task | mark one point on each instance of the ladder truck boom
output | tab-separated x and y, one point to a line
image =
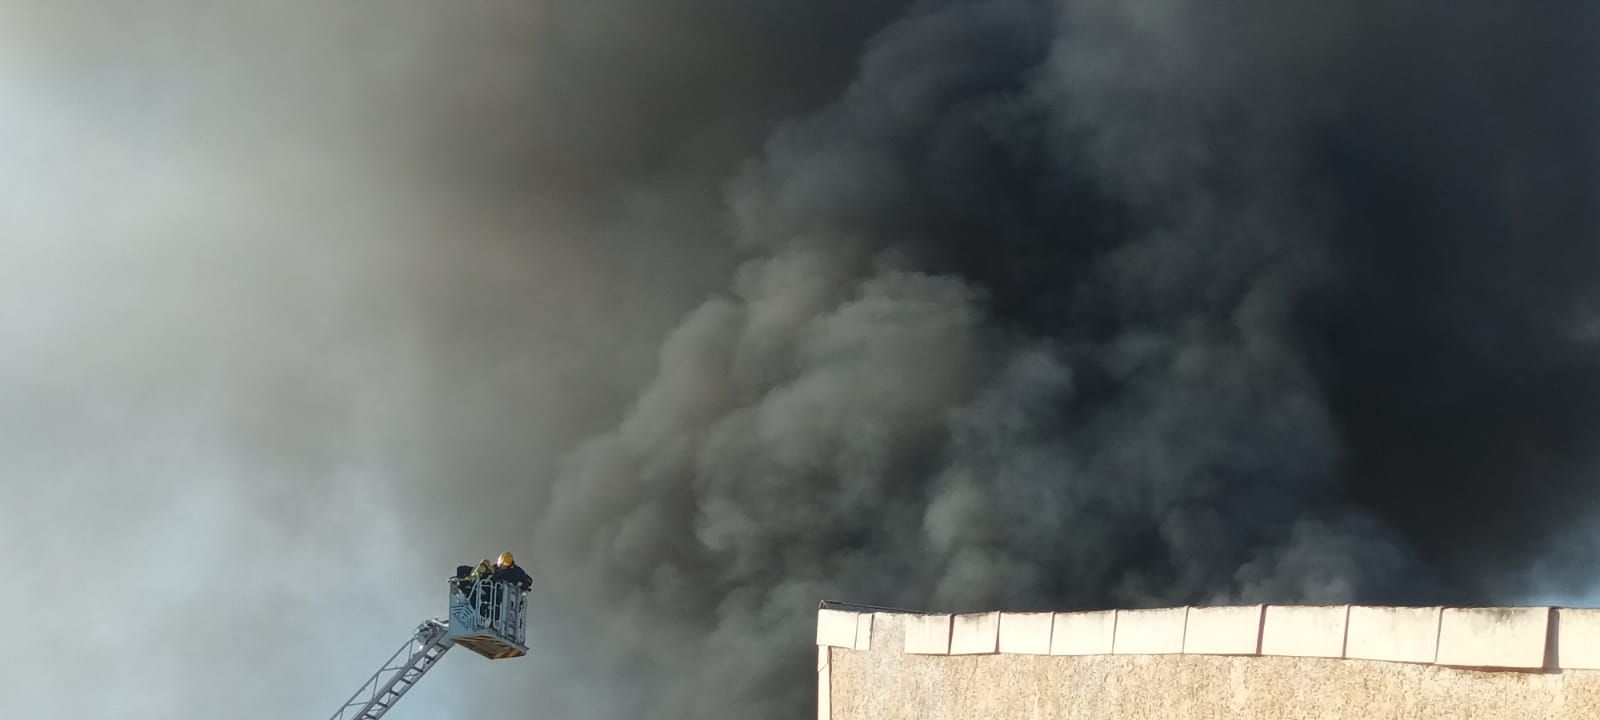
399	674
486	617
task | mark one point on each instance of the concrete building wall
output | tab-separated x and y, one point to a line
1220	670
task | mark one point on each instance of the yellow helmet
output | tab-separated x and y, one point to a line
505	560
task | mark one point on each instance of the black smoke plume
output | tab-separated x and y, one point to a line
712	310
1087	304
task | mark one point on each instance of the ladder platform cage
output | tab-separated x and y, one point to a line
488	618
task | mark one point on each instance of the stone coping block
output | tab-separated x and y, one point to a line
1304	630
836	628
1149	632
1083	633
1231	630
928	634
864	632
1494	637
1396	634
975	634
1026	633
1577	638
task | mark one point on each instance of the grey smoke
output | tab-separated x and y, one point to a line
295	300
714	310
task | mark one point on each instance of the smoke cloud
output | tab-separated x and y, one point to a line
714	310
1087	304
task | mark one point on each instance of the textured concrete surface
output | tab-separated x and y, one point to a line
926	634
1578	639
1304	630
1083	633
836	628
1026	633
1494	637
1397	634
1149	632
885	684
1234	630
975	634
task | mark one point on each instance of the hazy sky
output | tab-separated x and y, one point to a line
711	310
301	304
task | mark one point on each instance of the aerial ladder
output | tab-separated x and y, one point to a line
486	617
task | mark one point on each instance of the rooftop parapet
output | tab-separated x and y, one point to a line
1485	638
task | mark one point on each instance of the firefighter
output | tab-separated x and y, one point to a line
483	572
506	570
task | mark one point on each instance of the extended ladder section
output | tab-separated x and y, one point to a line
399	674
486	617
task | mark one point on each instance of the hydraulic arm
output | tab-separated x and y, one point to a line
399	674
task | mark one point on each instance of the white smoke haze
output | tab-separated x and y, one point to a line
710	311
